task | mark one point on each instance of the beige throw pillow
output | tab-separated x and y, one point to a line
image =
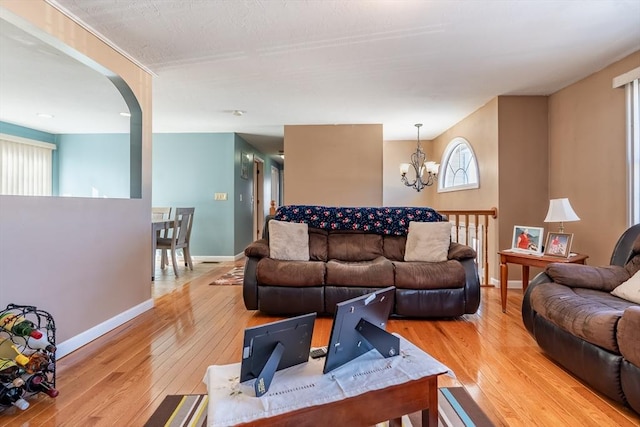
629	290
288	241
428	241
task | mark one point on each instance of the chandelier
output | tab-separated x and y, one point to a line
420	166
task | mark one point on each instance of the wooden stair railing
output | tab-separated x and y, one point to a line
471	219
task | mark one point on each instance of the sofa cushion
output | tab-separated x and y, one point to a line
354	246
393	247
257	249
461	252
428	241
586	313
317	244
288	241
628	335
377	273
629	289
586	276
274	272
429	275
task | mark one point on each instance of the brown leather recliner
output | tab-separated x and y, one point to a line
595	335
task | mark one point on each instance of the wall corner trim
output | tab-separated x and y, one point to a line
89	335
627	77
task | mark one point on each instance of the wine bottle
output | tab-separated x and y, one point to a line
29	344
10	373
13	396
8	350
18	325
38	383
38	362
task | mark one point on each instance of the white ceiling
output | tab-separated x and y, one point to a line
288	62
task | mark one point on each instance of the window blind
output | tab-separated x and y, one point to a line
25	167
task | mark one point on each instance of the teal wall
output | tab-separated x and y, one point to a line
243	227
82	162
94	161
188	169
29	133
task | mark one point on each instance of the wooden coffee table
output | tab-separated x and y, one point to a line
526	261
387	404
366	391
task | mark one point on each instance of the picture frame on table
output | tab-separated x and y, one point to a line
527	239
558	244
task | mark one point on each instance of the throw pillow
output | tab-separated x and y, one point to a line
288	241
630	289
428	241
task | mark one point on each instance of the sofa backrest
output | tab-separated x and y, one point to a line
633	264
627	246
354	246
391	221
357	233
393	247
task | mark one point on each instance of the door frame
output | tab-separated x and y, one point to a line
258	197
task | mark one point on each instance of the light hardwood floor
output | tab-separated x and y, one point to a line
121	378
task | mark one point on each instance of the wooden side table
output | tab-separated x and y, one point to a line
526	261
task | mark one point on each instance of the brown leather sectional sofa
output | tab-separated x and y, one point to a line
572	315
344	264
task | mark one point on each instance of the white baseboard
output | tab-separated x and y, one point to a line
228	258
511	284
89	335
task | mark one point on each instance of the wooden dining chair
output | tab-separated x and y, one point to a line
161	214
179	239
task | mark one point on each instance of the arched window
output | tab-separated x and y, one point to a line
459	169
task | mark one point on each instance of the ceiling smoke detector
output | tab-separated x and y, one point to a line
238	112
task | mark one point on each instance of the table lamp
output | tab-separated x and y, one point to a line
560	210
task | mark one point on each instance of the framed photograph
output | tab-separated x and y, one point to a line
245	161
558	244
527	239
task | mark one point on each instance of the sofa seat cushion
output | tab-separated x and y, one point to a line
377	273
589	314
290	273
629	335
429	275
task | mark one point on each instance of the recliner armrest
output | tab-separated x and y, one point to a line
586	276
258	249
460	252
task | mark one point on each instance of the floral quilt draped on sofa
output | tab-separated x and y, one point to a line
378	220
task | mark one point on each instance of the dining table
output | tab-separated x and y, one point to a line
156	227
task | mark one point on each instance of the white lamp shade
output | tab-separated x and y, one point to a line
560	210
404	168
432	167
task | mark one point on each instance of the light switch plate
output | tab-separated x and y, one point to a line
220	196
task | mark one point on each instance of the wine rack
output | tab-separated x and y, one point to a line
46	357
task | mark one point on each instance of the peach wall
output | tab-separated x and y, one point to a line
86	261
481	130
587	158
394	192
333	165
523	160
